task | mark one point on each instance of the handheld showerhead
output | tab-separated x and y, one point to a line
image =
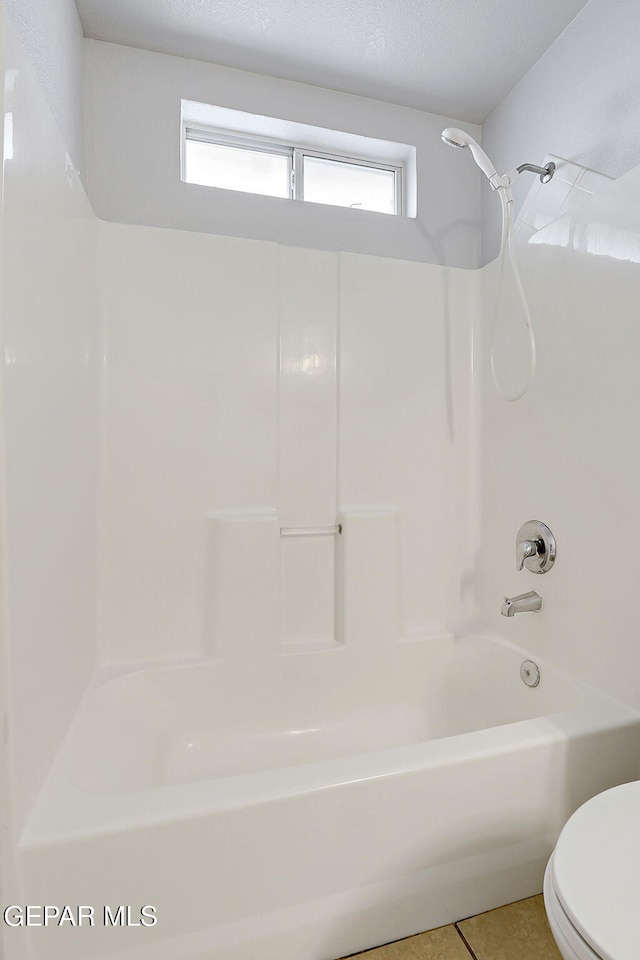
455	137
458	138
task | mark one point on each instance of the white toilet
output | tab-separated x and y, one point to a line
592	882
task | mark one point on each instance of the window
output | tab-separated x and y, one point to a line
235	160
216	159
344	183
237	166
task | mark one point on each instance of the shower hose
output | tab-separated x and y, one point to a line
506	246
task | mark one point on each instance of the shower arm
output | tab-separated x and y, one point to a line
545	173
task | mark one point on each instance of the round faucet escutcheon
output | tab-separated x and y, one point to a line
535	547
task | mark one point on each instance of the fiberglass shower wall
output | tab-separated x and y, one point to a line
50	384
251	387
567	453
49	426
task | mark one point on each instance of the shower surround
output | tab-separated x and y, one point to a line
293	747
251	388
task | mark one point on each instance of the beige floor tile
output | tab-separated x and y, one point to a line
517	930
442	944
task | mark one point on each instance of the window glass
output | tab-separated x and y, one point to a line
236	168
344	184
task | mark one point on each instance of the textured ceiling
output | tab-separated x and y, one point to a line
454	57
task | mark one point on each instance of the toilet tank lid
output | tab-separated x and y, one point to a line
596	871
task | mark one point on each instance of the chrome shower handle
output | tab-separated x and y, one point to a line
535	547
526	549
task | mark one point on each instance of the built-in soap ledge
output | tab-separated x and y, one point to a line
322	531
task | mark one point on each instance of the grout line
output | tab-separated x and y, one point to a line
465	941
389	943
472	953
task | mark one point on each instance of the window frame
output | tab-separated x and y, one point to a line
296	152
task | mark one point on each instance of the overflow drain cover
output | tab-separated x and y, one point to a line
530	673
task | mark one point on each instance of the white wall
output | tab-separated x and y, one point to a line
568	453
579	101
51	35
49	403
251	386
132	119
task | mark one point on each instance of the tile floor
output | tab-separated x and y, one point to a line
519	930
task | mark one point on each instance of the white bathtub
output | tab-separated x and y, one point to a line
308	806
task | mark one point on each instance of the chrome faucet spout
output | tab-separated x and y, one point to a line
524	603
